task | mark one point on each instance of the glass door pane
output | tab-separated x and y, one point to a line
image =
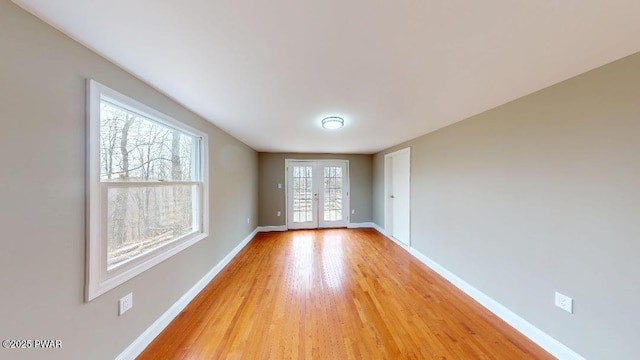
302	194
332	193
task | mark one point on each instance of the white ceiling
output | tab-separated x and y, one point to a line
267	72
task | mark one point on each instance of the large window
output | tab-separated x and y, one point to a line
147	188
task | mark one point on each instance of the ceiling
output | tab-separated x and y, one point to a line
267	72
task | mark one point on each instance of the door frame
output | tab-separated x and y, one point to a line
347	189
387	193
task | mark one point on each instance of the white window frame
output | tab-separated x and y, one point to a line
98	279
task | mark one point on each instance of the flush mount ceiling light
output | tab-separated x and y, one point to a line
332	122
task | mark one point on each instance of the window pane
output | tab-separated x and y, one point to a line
135	148
141	219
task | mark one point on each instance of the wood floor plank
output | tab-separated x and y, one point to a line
334	294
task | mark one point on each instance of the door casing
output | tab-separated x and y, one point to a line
391	220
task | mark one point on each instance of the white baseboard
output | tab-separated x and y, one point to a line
383	232
380	229
544	340
406	247
350	226
138	345
272	228
361	225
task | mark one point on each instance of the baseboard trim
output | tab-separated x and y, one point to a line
544	340
138	345
383	232
380	230
272	228
361	225
553	346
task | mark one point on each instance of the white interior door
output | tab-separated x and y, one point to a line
397	195
317	193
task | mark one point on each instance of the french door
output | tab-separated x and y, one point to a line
317	193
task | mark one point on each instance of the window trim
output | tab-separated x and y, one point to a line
98	279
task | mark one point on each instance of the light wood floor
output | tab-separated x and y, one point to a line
334	294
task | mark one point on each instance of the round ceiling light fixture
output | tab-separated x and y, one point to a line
332	122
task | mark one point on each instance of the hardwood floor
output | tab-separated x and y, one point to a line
334	294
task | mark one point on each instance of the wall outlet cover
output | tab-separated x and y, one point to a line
126	303
564	302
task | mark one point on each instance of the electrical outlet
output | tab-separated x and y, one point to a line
279	186
353	211
279	213
564	302
248	220
126	303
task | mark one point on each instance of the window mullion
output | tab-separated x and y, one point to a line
148	183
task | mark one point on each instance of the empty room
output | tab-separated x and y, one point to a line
204	179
